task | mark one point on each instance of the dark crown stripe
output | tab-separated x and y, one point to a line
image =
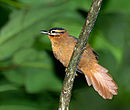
60	32
56	28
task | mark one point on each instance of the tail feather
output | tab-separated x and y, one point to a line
102	82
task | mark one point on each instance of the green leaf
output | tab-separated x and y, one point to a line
127	32
25	55
89	98
113	27
100	42
20	32
35	2
124	78
81	4
14	76
17	107
112	33
34	73
71	18
4	16
117	6
39	60
37	80
14	99
7	87
27	59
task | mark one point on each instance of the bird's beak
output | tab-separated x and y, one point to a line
44	32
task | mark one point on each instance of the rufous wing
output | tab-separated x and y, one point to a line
102	82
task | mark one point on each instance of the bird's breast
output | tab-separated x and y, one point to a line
63	52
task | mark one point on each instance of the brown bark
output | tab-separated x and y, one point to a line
78	50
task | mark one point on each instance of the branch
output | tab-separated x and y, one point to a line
78	50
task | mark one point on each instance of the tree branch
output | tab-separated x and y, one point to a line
78	50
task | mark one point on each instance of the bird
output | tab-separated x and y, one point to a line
96	75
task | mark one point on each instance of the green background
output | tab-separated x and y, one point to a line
31	78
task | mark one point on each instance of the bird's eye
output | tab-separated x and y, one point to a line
52	31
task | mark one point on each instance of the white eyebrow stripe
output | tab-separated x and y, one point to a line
58	31
55	34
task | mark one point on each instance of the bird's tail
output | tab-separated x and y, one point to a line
102	82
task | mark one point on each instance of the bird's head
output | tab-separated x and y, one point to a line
55	32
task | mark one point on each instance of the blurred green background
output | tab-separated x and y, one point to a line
31	78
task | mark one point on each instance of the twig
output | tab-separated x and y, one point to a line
78	50
13	3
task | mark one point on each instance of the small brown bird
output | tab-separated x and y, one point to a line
63	45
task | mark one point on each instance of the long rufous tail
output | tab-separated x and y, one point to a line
102	82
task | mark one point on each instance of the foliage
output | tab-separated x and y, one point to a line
28	71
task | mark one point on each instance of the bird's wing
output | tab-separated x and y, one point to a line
96	55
